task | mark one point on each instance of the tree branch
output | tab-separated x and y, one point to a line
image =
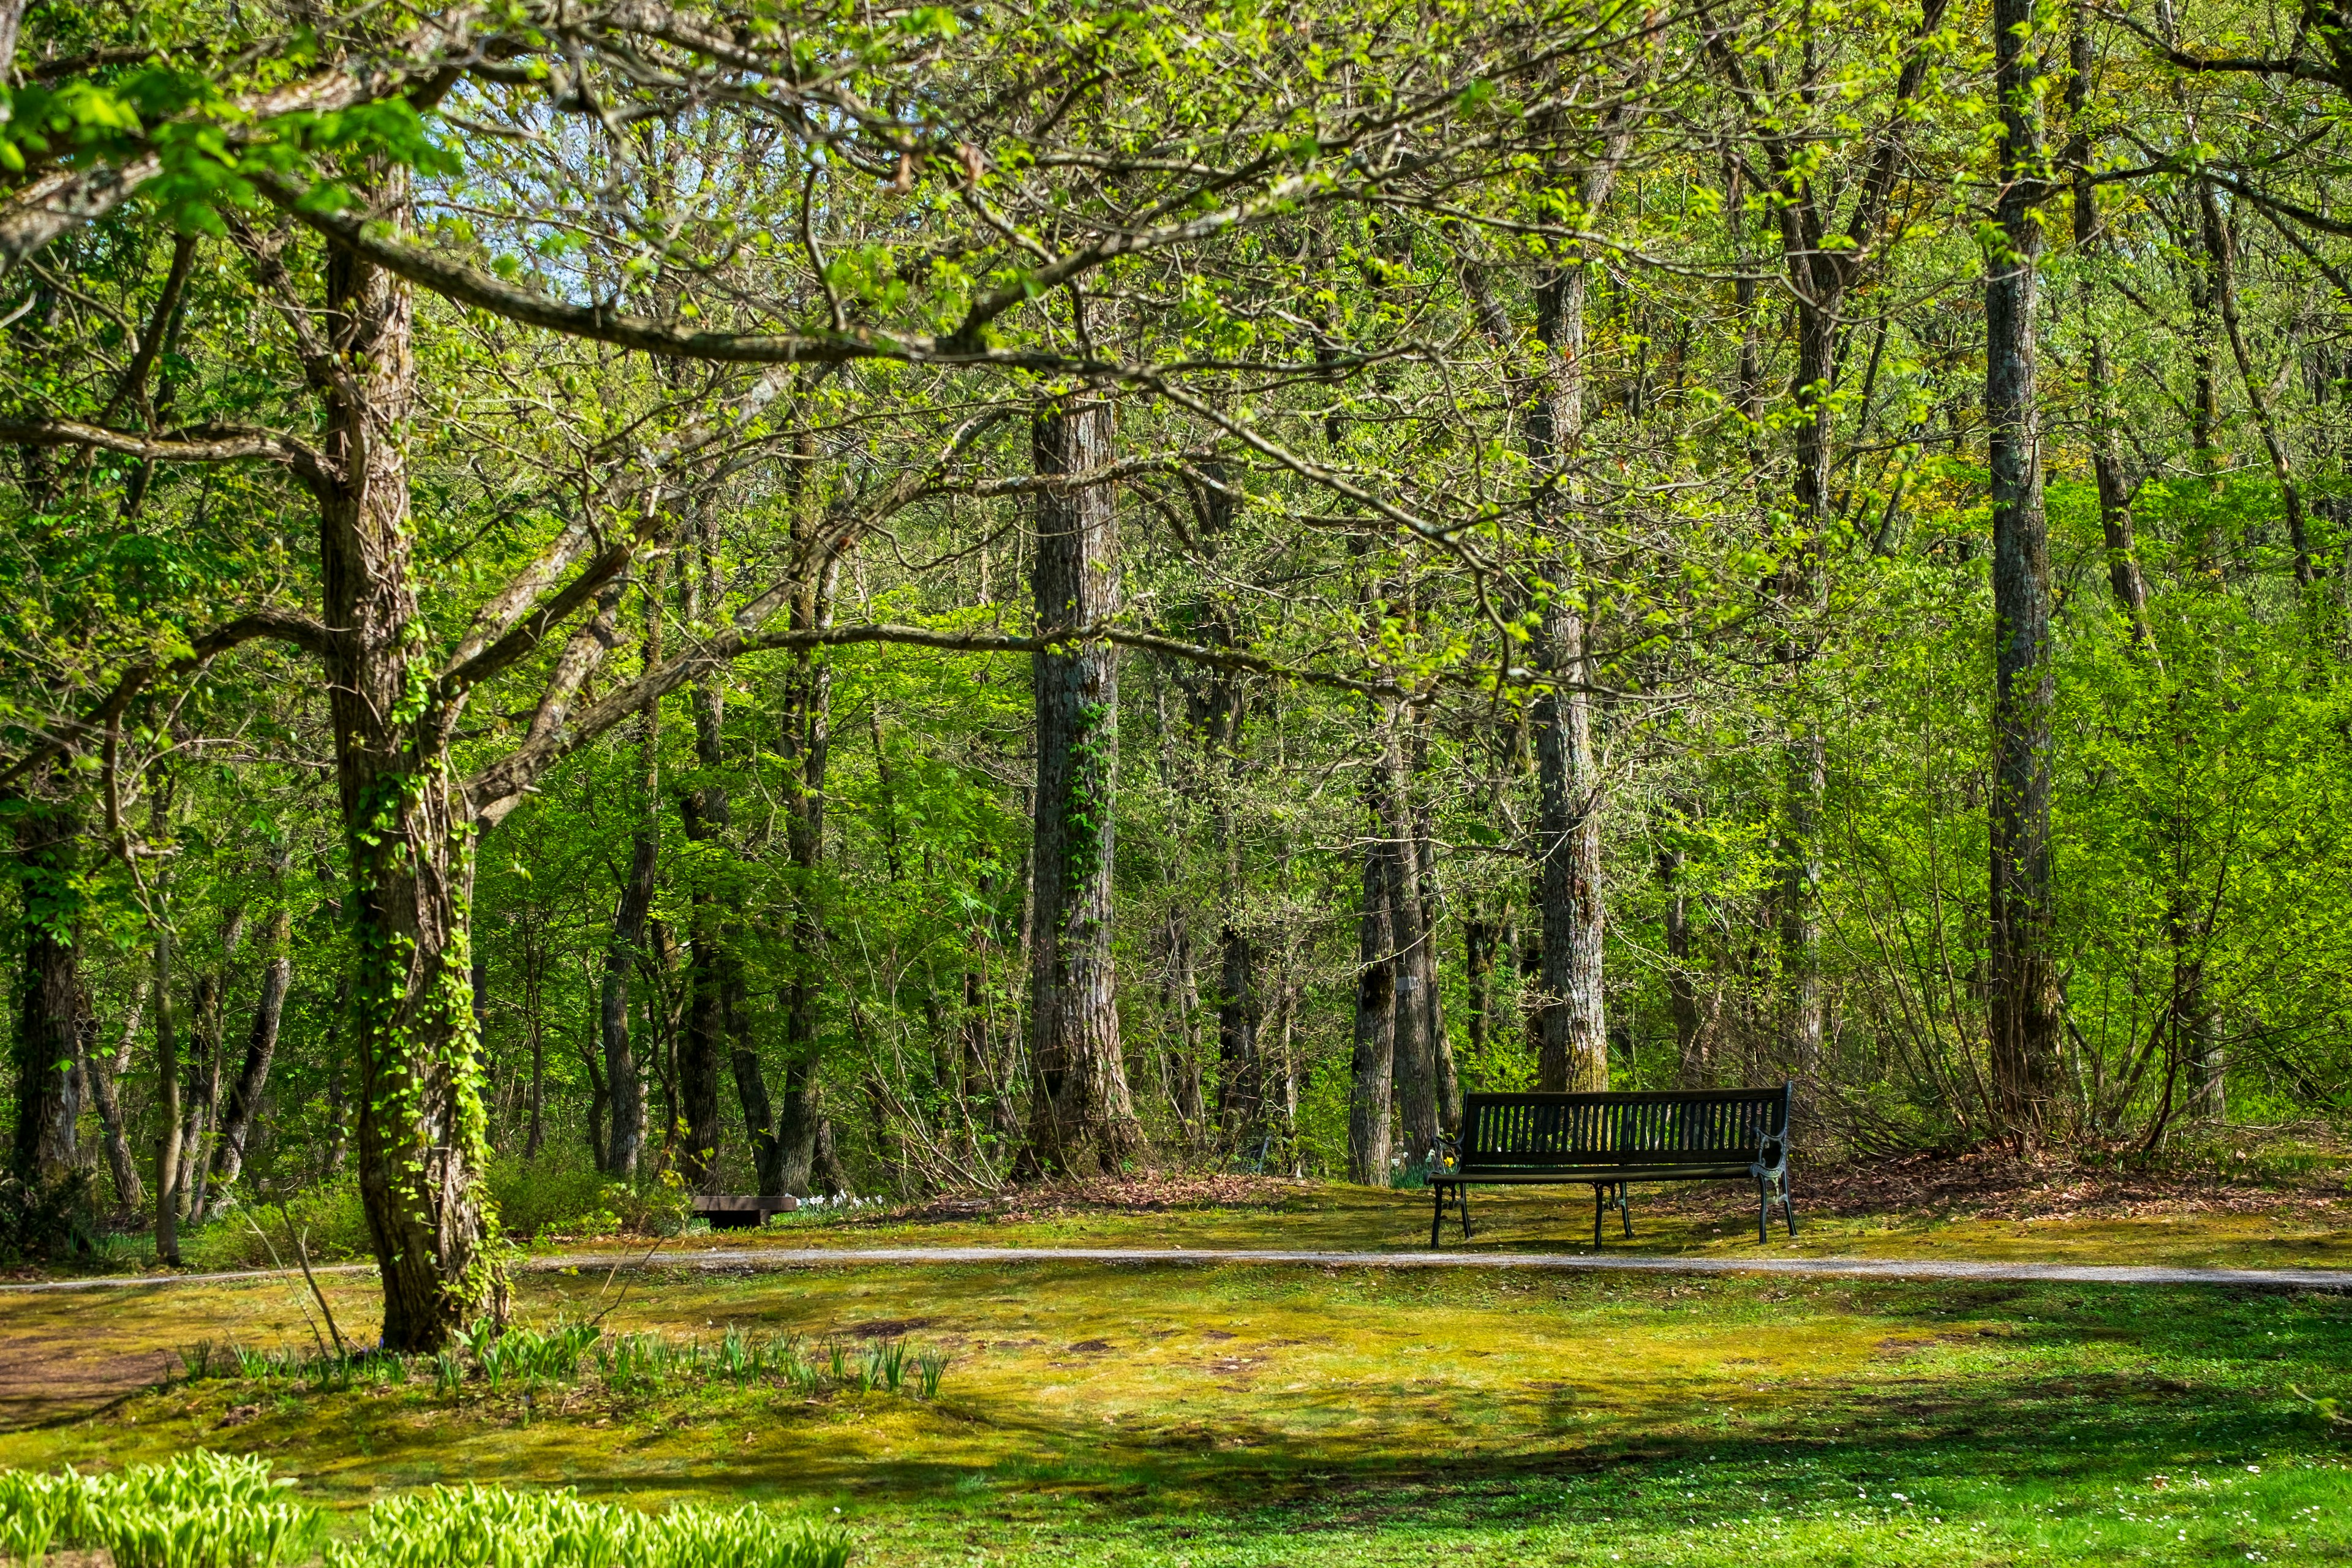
206	443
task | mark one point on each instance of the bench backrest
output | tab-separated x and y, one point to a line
1666	1127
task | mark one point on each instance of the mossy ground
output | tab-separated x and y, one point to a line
1232	1415
2296	1230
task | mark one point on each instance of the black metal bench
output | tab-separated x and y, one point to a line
725	1213
1612	1140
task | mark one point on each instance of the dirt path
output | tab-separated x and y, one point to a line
851	1257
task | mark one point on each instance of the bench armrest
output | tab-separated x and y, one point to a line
1772	1151
1448	1152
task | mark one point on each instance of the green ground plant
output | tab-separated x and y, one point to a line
198	1509
1207	1417
522	1359
478	1527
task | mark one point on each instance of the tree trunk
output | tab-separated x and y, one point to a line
1572	1037
1414	1082
1573	1054
423	1137
1182	1001
253	1074
707	812
101	1076
1481	940
1372	1069
2125	577
203	1096
2025	1019
1692	1069
1081	1116
1447	1080
167	1108
625	1084
2218	246
52	1010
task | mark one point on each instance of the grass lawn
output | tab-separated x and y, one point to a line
1199	1416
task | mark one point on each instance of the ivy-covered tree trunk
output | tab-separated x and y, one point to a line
2025	1019
1081	1116
409	832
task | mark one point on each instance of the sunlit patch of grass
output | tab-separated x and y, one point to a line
1343	1416
1709	1221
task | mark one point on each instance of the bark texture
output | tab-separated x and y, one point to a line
1082	1119
252	1072
2024	1000
407	828
1373	1066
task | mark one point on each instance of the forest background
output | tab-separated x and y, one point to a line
603	600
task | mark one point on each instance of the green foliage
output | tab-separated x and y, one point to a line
328	1218
200	1509
477	1526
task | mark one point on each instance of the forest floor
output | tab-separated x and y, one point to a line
1247	1416
2255	1206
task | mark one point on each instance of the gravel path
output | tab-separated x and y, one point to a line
1604	1262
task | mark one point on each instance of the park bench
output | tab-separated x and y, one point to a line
739	1212
1611	1140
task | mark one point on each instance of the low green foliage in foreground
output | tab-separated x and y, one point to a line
203	1509
1244	1417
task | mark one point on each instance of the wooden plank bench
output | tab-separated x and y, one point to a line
739	1212
1611	1140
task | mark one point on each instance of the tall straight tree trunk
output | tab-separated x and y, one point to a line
707	812
1481	940
102	1076
1218	709
1180	1001
1692	1069
2219	248
167	1105
52	1009
1569	1024
2125	578
253	1073
1373	1071
625	1083
1448	1079
796	1151
2024	1013
1413	1079
202	1098
1082	1118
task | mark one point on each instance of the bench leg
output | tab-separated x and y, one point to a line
1625	1205
1462	1195
1599	1189
1436	1212
1763	1211
1789	1207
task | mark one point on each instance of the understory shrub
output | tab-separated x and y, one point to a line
41	1221
555	1196
329	1219
203	1509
